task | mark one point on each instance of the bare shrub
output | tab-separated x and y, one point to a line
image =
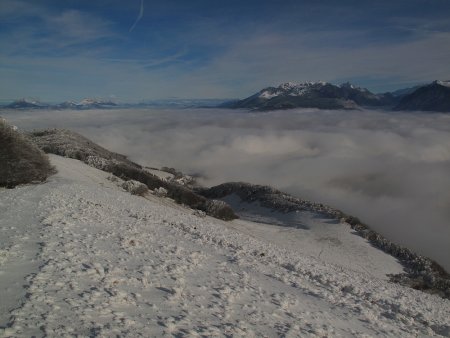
135	187
220	210
20	160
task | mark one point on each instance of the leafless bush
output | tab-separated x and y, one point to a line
20	160
135	187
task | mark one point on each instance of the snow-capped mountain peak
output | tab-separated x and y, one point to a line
93	102
288	85
348	85
89	101
31	101
292	86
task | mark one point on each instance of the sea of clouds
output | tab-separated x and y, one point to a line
391	169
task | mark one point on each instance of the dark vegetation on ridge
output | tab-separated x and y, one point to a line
21	161
70	144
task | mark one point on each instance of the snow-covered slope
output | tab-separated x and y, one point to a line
313	234
106	263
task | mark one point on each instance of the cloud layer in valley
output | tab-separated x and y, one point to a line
389	169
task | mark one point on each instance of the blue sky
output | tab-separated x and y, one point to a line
57	50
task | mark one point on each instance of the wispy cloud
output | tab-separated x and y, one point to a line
77	26
149	63
30	29
139	17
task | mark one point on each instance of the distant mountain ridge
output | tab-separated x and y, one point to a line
431	97
92	103
88	103
324	95
26	103
321	95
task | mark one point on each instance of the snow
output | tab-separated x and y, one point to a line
87	101
289	85
294	85
290	88
312	234
266	95
164	175
99	261
444	83
92	101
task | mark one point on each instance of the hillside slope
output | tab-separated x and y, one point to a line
113	264
71	144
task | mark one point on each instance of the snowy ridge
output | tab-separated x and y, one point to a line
291	89
94	102
88	103
114	264
26	103
348	85
321	95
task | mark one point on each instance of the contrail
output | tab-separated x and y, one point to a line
141	13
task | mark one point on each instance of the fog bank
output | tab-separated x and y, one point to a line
392	170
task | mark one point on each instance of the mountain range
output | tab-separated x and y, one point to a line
92	103
324	95
321	95
88	103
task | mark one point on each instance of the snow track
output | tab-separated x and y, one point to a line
114	264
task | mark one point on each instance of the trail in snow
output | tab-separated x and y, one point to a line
19	243
116	264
